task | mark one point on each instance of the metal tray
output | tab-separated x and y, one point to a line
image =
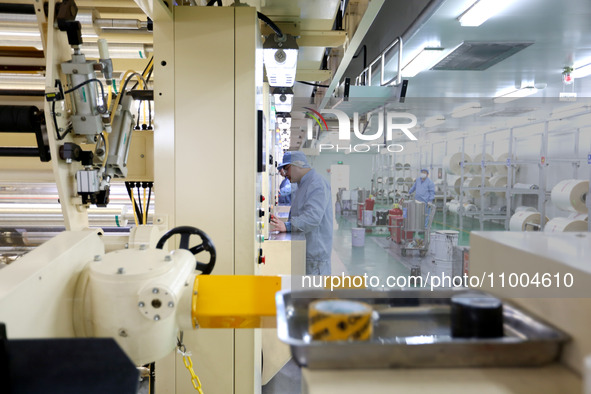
411	328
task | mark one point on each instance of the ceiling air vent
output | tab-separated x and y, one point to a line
478	56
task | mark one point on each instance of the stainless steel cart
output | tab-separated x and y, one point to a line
415	222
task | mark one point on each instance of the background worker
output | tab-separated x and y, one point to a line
424	190
311	212
286	190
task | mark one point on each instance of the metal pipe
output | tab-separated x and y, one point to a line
22	92
19	152
18	18
122	24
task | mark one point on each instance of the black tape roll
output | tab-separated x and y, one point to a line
19	119
476	316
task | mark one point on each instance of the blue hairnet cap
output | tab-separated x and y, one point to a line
295	158
425	170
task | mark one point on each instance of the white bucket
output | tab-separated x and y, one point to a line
442	269
443	243
367	218
358	237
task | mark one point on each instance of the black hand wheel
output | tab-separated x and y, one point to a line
206	245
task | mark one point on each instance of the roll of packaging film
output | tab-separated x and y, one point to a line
570	195
524	221
399	166
527	186
340	320
579	216
452	163
560	225
476	182
487	159
454	181
502	168
499	181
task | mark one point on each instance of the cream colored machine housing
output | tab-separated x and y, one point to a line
208	62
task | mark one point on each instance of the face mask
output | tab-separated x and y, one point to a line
423	176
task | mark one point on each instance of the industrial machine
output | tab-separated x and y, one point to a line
88	281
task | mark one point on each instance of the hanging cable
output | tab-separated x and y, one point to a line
145	221
149	115
149	67
134	213
141	213
129	186
137	124
150	184
270	23
313	84
99	109
126	77
212	2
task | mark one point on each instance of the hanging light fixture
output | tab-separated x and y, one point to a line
283	99
280	56
283	120
514	94
481	10
426	59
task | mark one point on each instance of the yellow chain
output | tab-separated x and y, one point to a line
194	378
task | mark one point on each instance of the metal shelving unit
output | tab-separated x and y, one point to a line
542	193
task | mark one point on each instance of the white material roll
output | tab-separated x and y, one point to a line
528	186
499	181
409	180
502	168
454	207
476	182
400	180
479	159
559	225
399	166
452	163
453	183
407	166
570	195
579	216
470	207
520	221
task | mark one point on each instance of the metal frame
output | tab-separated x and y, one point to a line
509	191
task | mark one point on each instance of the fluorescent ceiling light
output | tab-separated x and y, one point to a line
582	72
481	10
434	121
468	109
514	94
283	99
582	121
569	110
280	56
283	120
426	59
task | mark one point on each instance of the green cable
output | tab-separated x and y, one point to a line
114	85
117	221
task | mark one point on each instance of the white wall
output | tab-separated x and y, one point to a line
360	165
